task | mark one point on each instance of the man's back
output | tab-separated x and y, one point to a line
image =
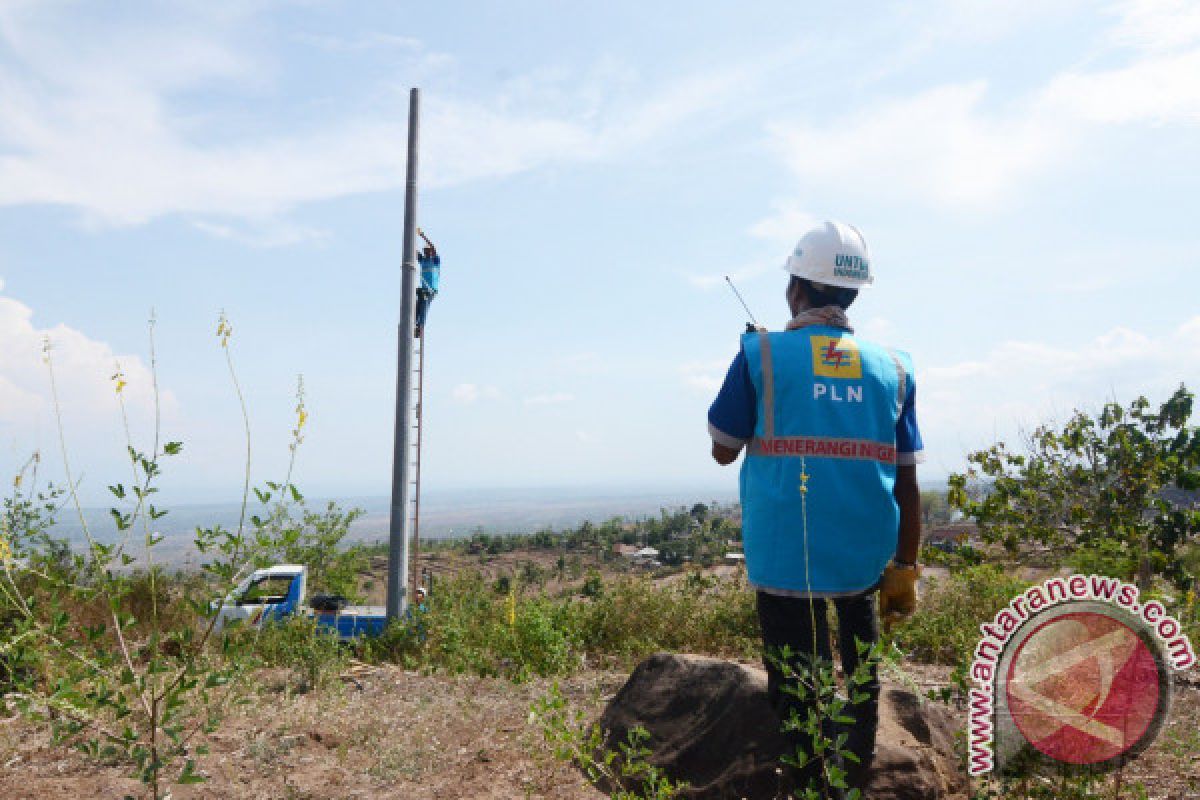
827	406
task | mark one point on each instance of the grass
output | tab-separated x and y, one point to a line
471	628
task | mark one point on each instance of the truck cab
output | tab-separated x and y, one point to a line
280	591
267	594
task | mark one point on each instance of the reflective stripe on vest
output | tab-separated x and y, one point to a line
902	385
768	371
824	447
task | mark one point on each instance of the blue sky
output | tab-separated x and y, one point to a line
1025	174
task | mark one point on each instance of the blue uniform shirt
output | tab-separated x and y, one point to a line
733	415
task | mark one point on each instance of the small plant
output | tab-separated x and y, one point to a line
129	669
625	772
823	728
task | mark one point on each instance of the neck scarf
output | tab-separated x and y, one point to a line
827	315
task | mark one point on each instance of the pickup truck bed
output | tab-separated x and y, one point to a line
353	620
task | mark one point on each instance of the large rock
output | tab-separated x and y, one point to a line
711	725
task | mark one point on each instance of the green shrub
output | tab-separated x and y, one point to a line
469	629
1105	557
945	627
401	642
312	653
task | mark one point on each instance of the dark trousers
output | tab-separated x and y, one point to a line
789	621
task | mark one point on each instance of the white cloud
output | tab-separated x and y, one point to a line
957	145
879	329
1156	90
584	363
366	41
1085	284
939	144
96	122
787	223
738	274
704	376
266	233
1157	25
1020	384
83	369
468	393
549	399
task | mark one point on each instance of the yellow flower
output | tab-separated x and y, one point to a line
118	379
301	411
510	610
224	329
5	551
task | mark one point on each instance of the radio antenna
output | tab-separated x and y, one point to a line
742	301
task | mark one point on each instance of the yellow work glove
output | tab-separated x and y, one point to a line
897	593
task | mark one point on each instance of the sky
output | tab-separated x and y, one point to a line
1025	174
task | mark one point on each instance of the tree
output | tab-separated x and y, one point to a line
1100	483
934	507
313	539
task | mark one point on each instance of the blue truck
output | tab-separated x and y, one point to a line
281	591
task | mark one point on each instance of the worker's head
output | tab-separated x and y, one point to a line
420	594
828	266
803	294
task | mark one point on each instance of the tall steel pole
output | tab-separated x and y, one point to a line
399	532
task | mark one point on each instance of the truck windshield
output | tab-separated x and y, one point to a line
266	590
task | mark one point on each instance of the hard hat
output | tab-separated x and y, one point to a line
833	253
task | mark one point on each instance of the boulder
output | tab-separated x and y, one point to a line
711	725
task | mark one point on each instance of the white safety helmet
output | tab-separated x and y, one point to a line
833	253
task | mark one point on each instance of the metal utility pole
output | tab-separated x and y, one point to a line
400	528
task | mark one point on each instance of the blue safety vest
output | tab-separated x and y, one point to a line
827	407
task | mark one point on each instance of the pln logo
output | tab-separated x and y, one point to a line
836	357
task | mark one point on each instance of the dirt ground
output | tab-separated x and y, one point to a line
445	564
401	735
404	734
